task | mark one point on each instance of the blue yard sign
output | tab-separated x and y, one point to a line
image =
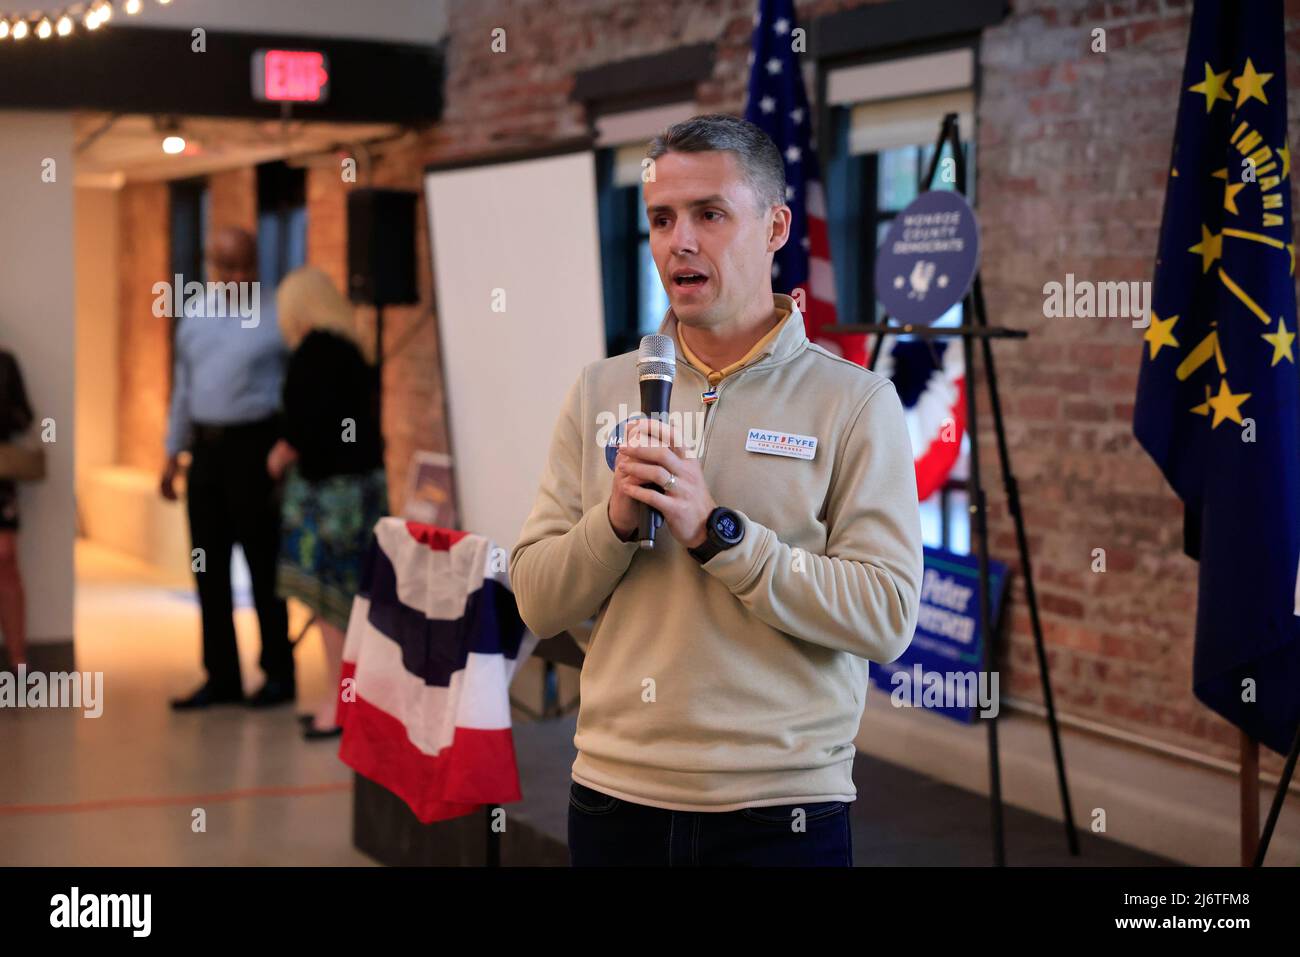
940	671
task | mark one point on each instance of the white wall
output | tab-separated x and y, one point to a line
397	21
37	325
508	372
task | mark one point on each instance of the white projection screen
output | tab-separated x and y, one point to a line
527	231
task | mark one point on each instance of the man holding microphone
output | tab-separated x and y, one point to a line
726	672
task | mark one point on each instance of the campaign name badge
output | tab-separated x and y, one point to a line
781	443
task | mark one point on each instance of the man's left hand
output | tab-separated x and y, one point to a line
281	456
654	452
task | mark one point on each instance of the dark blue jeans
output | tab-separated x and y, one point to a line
606	831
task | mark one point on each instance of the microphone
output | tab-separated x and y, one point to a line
656	364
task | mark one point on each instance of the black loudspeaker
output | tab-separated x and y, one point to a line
381	247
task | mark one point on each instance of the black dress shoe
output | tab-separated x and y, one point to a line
273	693
312	733
205	697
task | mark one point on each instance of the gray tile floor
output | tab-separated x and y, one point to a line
899	818
123	788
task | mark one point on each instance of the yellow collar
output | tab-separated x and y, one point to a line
717	375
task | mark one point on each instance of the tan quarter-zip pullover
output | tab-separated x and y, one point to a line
739	682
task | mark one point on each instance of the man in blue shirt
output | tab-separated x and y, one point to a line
230	361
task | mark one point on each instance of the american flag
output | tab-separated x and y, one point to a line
778	104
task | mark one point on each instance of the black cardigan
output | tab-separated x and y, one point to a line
328	381
15	410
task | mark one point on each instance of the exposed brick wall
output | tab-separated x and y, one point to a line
1074	150
327	233
144	373
232	199
1071	184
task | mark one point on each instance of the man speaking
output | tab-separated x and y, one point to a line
726	671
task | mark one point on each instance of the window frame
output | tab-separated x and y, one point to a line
862	183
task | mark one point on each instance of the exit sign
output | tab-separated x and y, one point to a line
290	76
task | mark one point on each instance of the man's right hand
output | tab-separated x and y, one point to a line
167	485
624	511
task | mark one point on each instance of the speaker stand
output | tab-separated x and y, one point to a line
379	363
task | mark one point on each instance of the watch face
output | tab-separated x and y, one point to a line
727	526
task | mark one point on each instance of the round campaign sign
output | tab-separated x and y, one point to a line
928	258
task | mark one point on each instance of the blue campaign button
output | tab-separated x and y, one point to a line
616	439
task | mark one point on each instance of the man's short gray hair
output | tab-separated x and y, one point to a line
757	154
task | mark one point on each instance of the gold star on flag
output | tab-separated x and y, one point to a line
1250	85
1230	197
1226	405
1210	247
1281	342
1160	333
1212	87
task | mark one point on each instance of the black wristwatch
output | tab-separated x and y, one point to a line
723	529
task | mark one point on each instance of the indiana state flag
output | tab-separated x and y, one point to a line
1218	390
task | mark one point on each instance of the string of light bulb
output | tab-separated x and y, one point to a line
90	15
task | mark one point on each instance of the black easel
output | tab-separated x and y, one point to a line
1275	809
976	327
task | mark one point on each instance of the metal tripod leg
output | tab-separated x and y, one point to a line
979	534
1031	597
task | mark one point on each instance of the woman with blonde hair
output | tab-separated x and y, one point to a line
331	457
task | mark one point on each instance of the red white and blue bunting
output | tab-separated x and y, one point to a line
930	378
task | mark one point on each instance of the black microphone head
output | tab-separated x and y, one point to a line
657	358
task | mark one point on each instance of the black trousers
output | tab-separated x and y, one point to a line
605	831
232	499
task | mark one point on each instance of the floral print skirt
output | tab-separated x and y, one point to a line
326	527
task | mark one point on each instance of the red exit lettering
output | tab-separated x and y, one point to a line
293	75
